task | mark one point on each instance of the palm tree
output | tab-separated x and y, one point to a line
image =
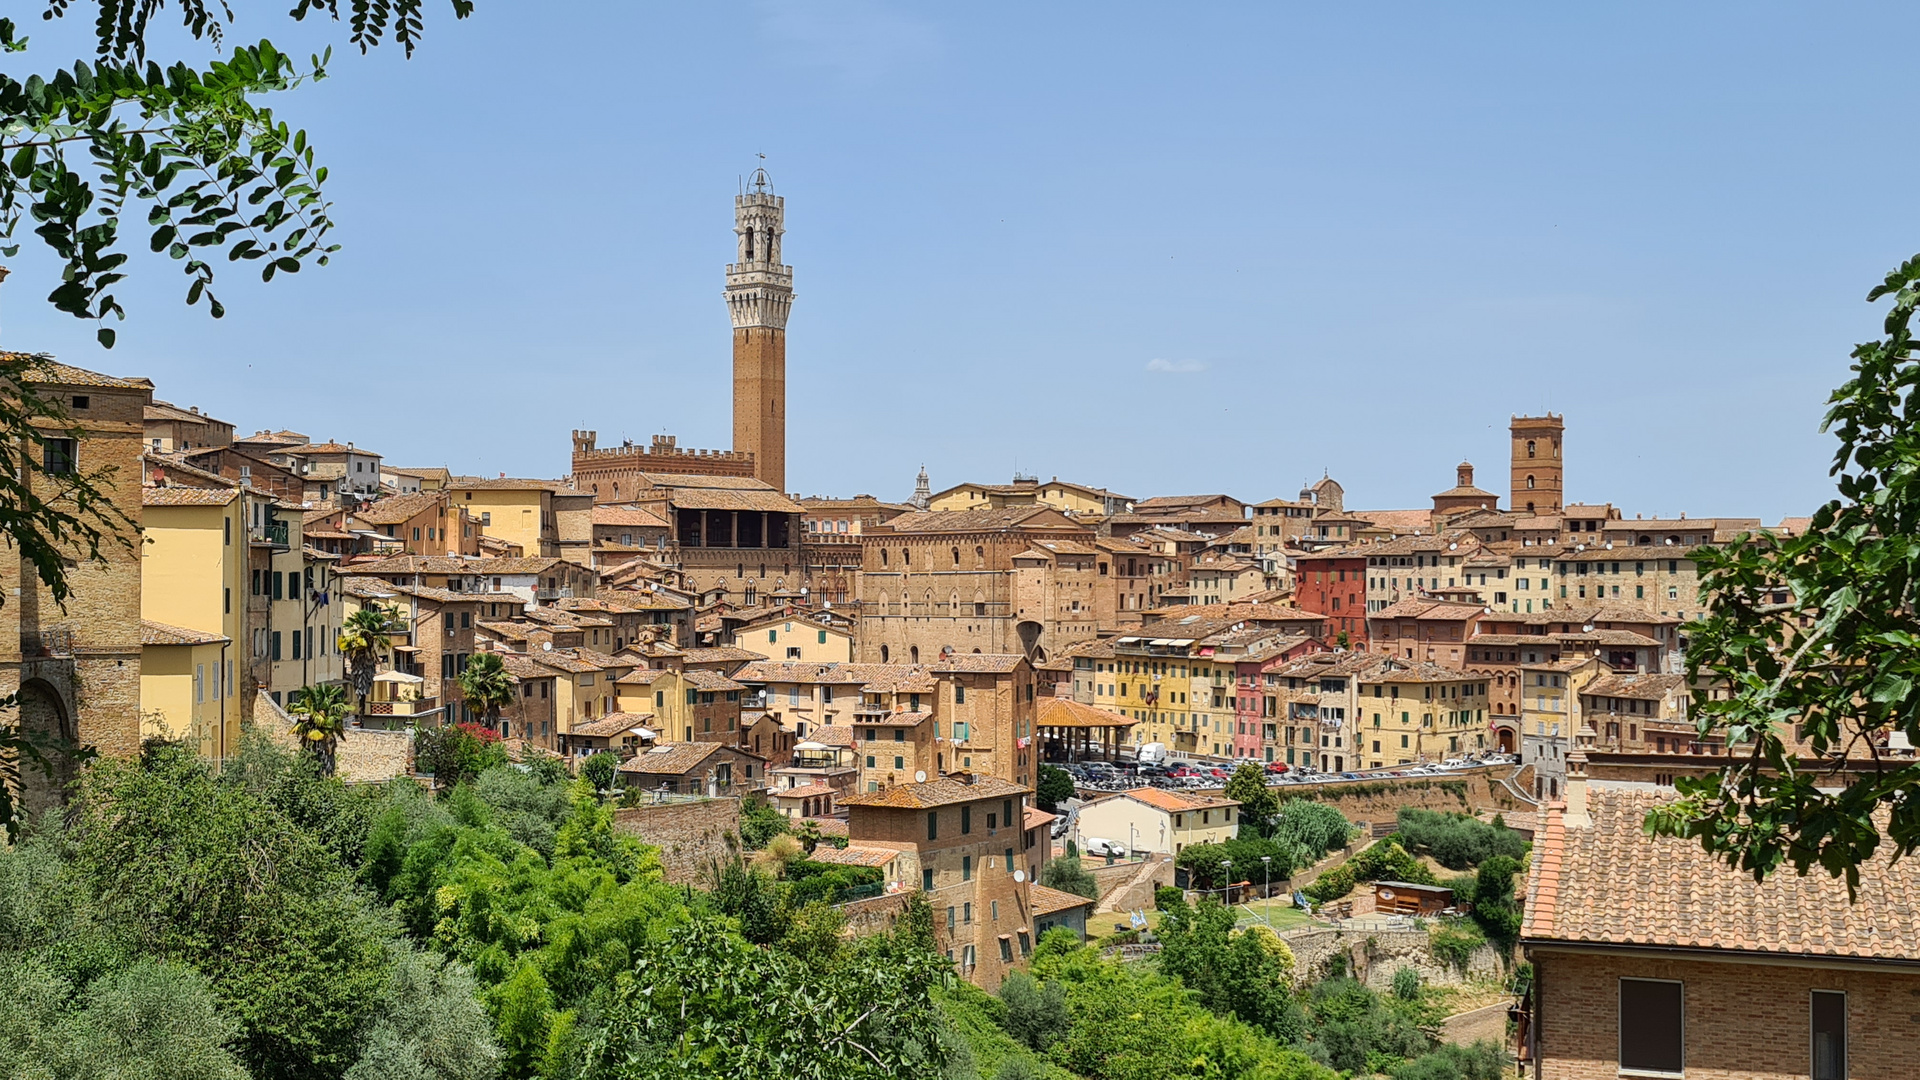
485	685
363	641
320	722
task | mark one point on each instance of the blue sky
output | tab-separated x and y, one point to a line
1159	249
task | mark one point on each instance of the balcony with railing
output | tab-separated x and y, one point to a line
273	534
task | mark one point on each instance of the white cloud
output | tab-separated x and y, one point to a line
860	41
1175	367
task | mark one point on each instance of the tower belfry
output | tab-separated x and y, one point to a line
759	296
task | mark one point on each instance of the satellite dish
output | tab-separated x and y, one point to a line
920	777
546	646
1019	876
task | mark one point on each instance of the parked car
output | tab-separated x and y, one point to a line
1277	767
1101	847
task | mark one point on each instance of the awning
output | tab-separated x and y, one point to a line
397	677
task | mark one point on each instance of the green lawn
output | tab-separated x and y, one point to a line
1283	915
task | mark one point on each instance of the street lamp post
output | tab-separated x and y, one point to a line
1226	869
1266	867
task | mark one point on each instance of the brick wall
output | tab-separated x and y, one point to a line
691	836
1742	1021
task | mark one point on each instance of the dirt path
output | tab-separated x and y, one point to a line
1488	1022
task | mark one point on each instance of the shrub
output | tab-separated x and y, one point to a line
1066	874
1331	885
1315	826
1036	1011
600	769
1452	942
1166	896
1406	984
1457	841
1386	860
1484	1060
760	823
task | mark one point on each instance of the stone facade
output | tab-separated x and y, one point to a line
1538	478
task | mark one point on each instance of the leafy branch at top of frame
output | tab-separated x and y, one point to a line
120	26
216	171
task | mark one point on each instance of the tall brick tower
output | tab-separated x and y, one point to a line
1537	480
759	295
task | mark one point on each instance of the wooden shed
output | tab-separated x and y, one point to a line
1406	898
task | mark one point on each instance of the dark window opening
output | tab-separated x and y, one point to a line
1652	1025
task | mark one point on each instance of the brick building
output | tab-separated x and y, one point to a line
1653	958
977	581
1333	583
77	669
962	841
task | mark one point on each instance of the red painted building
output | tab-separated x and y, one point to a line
1256	719
1334	584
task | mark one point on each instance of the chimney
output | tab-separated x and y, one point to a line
1577	816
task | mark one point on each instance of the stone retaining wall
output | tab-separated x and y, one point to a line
691	836
1374	955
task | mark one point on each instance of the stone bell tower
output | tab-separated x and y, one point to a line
759	295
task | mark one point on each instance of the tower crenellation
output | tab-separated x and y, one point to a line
759	298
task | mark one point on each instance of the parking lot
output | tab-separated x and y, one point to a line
1208	774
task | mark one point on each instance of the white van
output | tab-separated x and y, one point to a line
1152	754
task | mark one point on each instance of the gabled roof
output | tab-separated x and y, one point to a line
612	724
1638	687
946	791
677	758
46	371
982	520
1045	901
1607	883
1174	802
398	509
186	496
1414	607
721	654
627	515
159	633
1059	712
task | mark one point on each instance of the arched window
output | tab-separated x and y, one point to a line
956	556
913	654
1529	447
883	553
1529	483
979	556
906	556
953	604
883	654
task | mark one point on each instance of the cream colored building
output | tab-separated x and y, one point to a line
1158	821
517	511
1077	499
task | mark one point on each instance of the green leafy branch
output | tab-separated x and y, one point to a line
1832	666
216	170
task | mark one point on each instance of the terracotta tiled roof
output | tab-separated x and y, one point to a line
672	758
700	679
1175	802
1036	817
452	564
1045	901
1414	607
399	508
832	735
627	515
791	671
722	654
1609	883
617	723
1066	713
953	521
521	667
828	826
159	633
186	496
977	663
852	854
946	791
1638	687
804	791
48	372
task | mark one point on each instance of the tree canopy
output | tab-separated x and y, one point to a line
1817	637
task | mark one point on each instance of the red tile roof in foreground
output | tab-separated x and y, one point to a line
1608	883
1046	901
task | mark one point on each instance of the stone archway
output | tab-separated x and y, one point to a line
1029	632
1503	738
46	716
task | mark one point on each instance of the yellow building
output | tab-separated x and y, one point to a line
194	577
1408	713
518	512
182	695
1077	499
651	692
796	638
